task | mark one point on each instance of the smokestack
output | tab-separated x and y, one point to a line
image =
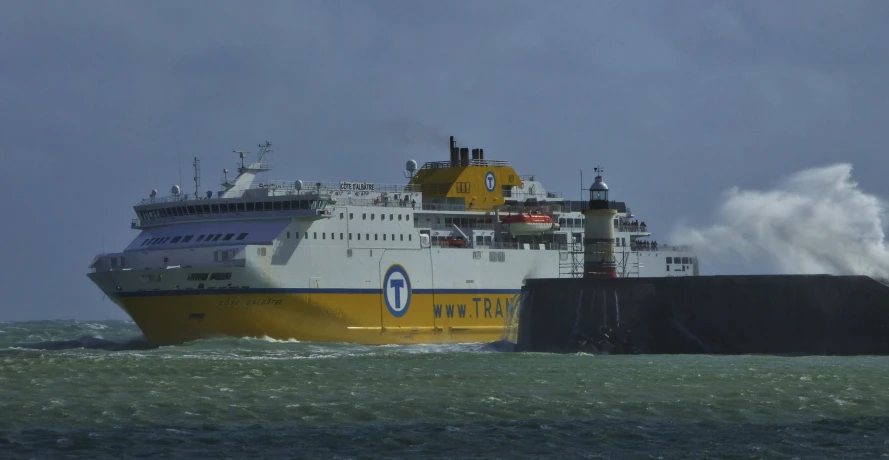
481	154
455	155
464	156
475	154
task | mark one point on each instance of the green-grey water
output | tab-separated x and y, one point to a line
256	397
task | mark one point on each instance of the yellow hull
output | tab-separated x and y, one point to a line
358	317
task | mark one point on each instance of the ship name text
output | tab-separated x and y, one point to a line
236	302
357	186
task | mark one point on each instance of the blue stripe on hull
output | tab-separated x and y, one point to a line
217	291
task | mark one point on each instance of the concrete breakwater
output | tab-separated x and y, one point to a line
759	314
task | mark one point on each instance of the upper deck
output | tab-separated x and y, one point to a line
272	199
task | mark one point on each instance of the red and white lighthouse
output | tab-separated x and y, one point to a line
598	239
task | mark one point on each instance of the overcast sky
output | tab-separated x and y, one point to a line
679	100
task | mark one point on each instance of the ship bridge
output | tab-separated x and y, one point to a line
246	197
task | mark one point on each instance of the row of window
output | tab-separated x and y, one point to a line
214	276
571	223
187	238
680	260
405	217
324	235
197	209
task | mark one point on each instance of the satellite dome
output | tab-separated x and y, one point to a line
411	165
298	185
175	190
153	193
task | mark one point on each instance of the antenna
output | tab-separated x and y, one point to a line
197	177
581	186
242	154
179	160
264	149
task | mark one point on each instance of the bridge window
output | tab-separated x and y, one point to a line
218	235
251	206
350	216
200	238
669	260
198	276
341	215
187	238
221	276
685	260
286	205
228	237
176	239
241	207
277	206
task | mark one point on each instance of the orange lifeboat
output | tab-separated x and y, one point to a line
527	223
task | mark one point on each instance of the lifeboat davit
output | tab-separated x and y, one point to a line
527	223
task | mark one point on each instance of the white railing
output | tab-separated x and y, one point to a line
308	187
471	162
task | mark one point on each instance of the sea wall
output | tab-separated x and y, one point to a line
762	314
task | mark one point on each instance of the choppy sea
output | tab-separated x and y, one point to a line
96	389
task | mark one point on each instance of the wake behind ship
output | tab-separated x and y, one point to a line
441	259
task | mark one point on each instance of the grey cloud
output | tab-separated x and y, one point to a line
103	100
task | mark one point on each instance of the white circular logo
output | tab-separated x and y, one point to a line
490	181
397	290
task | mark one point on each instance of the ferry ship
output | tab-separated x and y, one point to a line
439	259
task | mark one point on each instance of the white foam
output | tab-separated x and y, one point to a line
815	221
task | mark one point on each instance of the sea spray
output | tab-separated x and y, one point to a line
815	221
